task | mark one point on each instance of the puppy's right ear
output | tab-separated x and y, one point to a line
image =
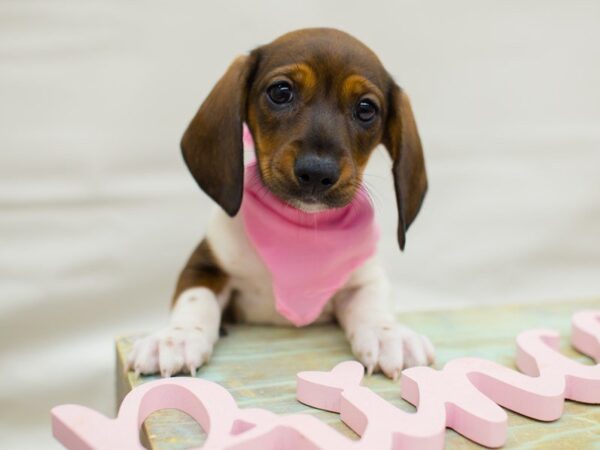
212	145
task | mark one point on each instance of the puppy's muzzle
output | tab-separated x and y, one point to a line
316	174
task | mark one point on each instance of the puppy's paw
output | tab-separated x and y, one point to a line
390	348
171	351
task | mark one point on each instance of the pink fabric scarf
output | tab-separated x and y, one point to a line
310	255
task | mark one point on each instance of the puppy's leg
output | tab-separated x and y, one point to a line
366	314
187	343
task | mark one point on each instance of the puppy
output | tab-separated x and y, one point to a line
317	102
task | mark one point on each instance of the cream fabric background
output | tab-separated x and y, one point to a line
98	214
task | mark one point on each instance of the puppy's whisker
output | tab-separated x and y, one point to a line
377	198
374	175
374	197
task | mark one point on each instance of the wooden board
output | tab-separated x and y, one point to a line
258	366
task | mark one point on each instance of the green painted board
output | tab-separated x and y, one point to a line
258	366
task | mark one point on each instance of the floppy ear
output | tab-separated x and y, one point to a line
402	141
212	144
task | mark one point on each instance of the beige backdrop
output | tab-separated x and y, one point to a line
98	214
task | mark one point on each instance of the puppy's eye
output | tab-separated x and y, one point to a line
365	110
280	92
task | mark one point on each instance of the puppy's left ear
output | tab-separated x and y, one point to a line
401	138
212	145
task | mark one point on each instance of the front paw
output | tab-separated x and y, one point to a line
390	348
170	351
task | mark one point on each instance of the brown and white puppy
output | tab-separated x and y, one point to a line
317	99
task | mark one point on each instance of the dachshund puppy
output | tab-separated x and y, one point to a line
317	102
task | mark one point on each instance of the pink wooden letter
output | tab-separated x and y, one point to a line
466	395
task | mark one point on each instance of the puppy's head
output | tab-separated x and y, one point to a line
317	102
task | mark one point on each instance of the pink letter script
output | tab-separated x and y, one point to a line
467	395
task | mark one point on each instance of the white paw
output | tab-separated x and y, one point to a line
390	348
170	351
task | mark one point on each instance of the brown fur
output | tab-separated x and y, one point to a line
330	72
212	144
404	144
201	270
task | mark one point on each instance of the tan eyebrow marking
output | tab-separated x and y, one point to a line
301	74
356	85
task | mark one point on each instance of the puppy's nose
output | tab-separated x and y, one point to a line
315	173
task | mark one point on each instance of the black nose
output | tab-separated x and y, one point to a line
316	174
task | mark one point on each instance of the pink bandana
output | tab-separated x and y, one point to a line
310	255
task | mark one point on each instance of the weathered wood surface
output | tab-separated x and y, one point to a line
258	366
